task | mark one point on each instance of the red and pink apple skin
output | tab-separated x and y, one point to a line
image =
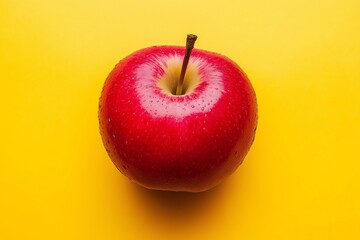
178	143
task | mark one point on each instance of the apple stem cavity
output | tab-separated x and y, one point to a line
190	42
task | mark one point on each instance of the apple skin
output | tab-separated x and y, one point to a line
188	142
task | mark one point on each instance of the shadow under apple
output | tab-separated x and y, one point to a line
179	210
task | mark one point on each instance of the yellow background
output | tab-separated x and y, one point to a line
300	180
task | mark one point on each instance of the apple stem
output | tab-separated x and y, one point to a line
190	42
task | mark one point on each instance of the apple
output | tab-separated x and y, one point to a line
171	121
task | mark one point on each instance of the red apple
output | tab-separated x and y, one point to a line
179	140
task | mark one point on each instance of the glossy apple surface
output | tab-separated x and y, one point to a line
187	142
